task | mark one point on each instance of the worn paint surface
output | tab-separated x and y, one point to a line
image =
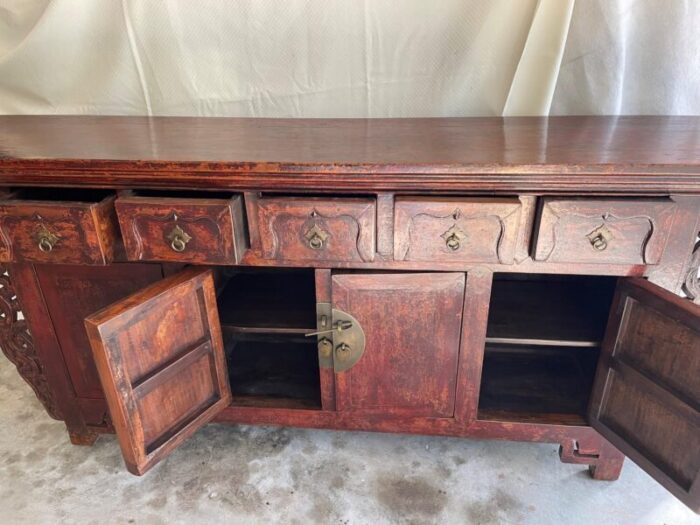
249	475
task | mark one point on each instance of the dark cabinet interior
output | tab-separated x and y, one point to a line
273	370
264	315
543	341
524	382
275	300
567	310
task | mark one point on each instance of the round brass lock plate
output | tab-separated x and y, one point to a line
349	344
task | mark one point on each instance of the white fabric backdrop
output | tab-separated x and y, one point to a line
349	58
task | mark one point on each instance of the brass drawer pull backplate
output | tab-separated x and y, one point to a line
178	239
45	240
316	237
600	238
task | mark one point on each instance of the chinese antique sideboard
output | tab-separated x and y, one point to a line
522	278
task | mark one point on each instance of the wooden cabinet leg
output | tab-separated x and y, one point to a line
33	346
85	438
608	465
17	341
604	461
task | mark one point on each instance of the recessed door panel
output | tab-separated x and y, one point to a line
411	324
161	360
646	396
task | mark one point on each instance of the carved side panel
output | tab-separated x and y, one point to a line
17	344
691	285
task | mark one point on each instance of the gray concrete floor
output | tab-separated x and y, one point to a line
249	475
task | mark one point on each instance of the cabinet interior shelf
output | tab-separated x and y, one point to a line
549	310
274	371
538	384
264	315
543	341
269	301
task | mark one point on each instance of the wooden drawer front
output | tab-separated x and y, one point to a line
317	229
202	231
604	230
58	231
450	229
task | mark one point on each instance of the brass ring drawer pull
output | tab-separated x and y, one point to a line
316	237
179	239
315	242
45	245
46	240
599	243
178	244
453	238
600	238
452	242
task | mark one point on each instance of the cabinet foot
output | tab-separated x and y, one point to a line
86	439
608	465
604	461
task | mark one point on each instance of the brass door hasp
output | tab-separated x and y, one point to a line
341	340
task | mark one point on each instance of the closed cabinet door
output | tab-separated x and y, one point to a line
410	326
646	396
160	357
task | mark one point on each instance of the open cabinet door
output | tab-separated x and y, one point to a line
646	395
160	357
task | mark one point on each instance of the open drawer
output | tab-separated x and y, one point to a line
49	225
188	227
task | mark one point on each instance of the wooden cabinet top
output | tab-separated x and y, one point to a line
628	154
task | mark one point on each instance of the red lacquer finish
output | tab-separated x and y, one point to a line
478	256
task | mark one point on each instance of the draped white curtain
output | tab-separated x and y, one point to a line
349	58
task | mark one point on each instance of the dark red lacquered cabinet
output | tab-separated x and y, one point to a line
528	279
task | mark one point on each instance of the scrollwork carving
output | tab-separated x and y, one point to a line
18	346
138	220
460	223
691	285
